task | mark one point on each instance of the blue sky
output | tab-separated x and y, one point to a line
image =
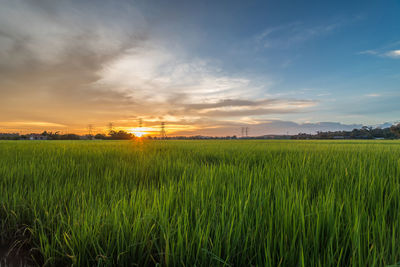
333	52
204	67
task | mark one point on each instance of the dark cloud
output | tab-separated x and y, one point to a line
249	107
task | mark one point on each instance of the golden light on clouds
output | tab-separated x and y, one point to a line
32	123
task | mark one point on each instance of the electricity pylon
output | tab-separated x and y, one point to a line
90	129
163	133
110	127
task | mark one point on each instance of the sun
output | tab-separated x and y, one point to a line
138	134
139	131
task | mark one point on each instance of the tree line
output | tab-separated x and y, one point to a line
48	135
365	132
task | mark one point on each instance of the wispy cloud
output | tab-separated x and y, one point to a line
368	52
32	123
373	95
393	54
284	36
385	51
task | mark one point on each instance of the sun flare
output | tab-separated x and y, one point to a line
138	134
139	131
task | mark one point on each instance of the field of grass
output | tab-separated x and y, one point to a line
203	203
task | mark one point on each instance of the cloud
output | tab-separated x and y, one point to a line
249	103
240	108
383	52
227	103
78	63
156	73
174	84
368	52
30	126
285	36
393	54
49	67
373	95
250	112
32	123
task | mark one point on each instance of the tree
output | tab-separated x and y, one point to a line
121	135
69	137
51	135
100	136
395	129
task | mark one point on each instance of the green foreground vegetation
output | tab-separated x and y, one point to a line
203	203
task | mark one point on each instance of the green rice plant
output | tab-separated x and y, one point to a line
203	203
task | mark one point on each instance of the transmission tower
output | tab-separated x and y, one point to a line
90	129
163	133
110	127
247	132
242	132
140	123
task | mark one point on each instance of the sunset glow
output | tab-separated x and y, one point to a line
277	75
140	131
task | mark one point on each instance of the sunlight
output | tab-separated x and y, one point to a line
139	134
139	131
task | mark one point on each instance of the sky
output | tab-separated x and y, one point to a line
202	67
